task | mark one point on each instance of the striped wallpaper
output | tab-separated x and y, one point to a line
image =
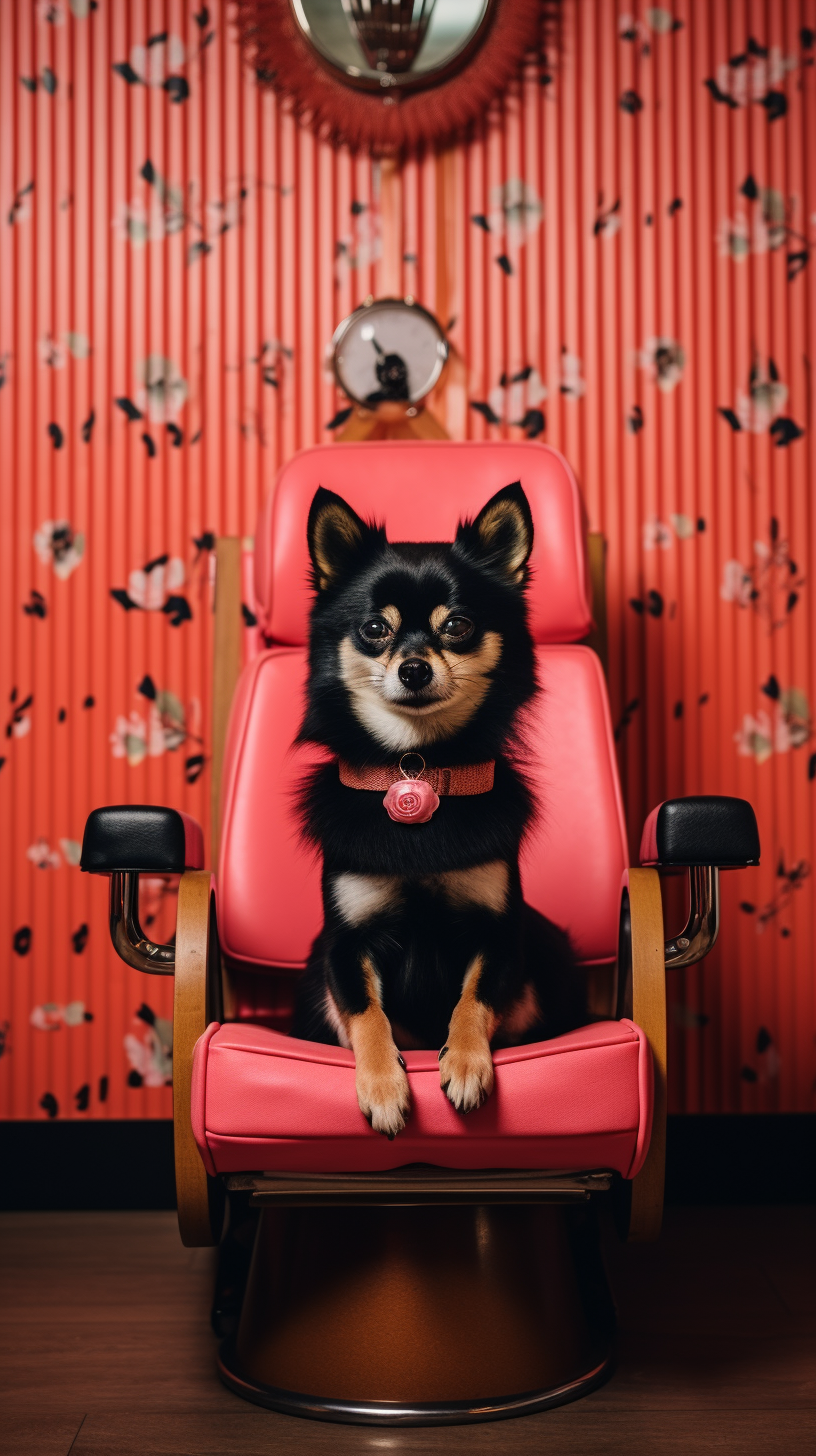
625	257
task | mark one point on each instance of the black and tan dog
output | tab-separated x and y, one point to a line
420	661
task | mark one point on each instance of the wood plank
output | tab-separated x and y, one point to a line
571	1431
727	1269
700	1372
40	1435
107	1315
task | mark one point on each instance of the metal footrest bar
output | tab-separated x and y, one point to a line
420	1184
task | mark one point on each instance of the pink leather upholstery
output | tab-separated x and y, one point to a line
648	839
263	1102
421	490
193	843
269	906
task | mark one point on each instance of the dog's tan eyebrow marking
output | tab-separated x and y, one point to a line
479	662
486	884
360	897
438	617
392	617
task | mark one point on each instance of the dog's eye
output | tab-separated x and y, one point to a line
375	630
457	627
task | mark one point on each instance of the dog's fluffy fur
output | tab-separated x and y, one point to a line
426	938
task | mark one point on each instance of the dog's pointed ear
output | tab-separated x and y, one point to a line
337	538
501	537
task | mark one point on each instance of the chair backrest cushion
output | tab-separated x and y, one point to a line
269	902
420	490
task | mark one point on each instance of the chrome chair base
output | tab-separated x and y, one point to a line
422	1315
386	1413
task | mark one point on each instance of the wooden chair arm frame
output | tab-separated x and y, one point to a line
641	995
195	1003
227	658
200	987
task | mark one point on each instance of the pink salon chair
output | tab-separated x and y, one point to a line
453	1274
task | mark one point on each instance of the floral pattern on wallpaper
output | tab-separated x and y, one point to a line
149	1048
59	546
162	725
155	601
156	722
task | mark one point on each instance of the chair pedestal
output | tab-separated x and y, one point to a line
422	1315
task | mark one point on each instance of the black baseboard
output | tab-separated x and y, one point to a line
736	1158
74	1165
87	1165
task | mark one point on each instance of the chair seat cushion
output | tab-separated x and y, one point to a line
264	1102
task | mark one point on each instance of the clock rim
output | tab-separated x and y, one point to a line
402	303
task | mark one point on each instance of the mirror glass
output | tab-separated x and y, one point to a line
393	43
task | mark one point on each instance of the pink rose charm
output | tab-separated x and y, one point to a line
411	801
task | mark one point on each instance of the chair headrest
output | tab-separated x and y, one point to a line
420	490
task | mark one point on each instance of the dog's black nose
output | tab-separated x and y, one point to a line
415	673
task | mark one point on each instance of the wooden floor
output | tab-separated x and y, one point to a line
105	1348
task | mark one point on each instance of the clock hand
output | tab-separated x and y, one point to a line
392	375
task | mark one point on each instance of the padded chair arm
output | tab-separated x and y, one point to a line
702	835
705	829
141	838
125	840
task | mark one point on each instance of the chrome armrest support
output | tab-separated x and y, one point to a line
700	932
129	940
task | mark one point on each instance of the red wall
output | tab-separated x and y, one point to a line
651	185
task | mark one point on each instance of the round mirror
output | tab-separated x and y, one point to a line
379	44
360	72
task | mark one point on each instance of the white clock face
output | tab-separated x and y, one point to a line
389	350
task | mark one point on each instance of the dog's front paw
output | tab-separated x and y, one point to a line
466	1074
384	1099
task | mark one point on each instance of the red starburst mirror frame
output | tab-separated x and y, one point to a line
387	119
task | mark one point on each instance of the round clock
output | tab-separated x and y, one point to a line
390	350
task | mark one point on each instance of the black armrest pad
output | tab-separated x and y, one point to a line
708	829
141	837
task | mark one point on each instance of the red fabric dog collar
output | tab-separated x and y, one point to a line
469	778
